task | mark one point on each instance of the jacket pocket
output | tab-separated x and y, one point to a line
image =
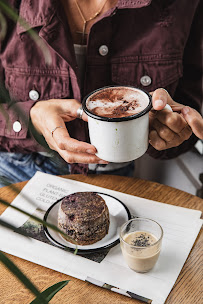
48	83
161	71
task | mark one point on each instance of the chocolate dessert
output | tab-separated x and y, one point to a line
84	217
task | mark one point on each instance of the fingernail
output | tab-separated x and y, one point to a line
103	162
90	151
159	103
185	110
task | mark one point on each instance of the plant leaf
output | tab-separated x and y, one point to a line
50	292
3	26
20	275
55	228
15	17
11	227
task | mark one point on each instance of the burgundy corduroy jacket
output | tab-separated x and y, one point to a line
147	44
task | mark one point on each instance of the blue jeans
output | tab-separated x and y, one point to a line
18	167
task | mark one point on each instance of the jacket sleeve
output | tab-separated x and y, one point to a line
14	116
189	90
16	131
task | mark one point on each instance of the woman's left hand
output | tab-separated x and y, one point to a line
168	129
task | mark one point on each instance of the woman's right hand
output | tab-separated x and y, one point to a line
49	114
194	120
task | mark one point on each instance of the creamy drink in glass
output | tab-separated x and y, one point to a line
140	241
118	122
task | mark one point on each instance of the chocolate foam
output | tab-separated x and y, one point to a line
117	102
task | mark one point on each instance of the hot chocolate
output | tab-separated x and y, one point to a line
118	122
117	102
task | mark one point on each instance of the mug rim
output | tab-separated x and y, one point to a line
116	119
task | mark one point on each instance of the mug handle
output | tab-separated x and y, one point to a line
167	107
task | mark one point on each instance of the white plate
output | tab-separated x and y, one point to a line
118	213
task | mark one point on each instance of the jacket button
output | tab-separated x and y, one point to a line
34	95
145	80
17	126
103	50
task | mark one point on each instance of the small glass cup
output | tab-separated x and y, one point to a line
140	240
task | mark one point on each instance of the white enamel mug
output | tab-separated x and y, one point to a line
119	139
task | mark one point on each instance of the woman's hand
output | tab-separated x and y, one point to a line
49	114
169	129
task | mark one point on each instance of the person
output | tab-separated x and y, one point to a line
148	44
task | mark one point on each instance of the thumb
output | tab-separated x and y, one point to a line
160	98
194	120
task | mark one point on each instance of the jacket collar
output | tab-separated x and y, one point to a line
38	13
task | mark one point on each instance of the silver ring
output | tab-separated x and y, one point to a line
79	112
52	132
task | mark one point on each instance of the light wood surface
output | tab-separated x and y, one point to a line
187	289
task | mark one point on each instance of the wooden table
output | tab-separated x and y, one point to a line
187	289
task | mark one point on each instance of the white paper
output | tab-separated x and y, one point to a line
181	227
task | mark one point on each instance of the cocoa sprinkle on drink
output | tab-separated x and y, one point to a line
141	241
123	108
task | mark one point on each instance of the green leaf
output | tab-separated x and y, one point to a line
3	26
12	14
53	227
20	275
5	97
50	292
11	227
